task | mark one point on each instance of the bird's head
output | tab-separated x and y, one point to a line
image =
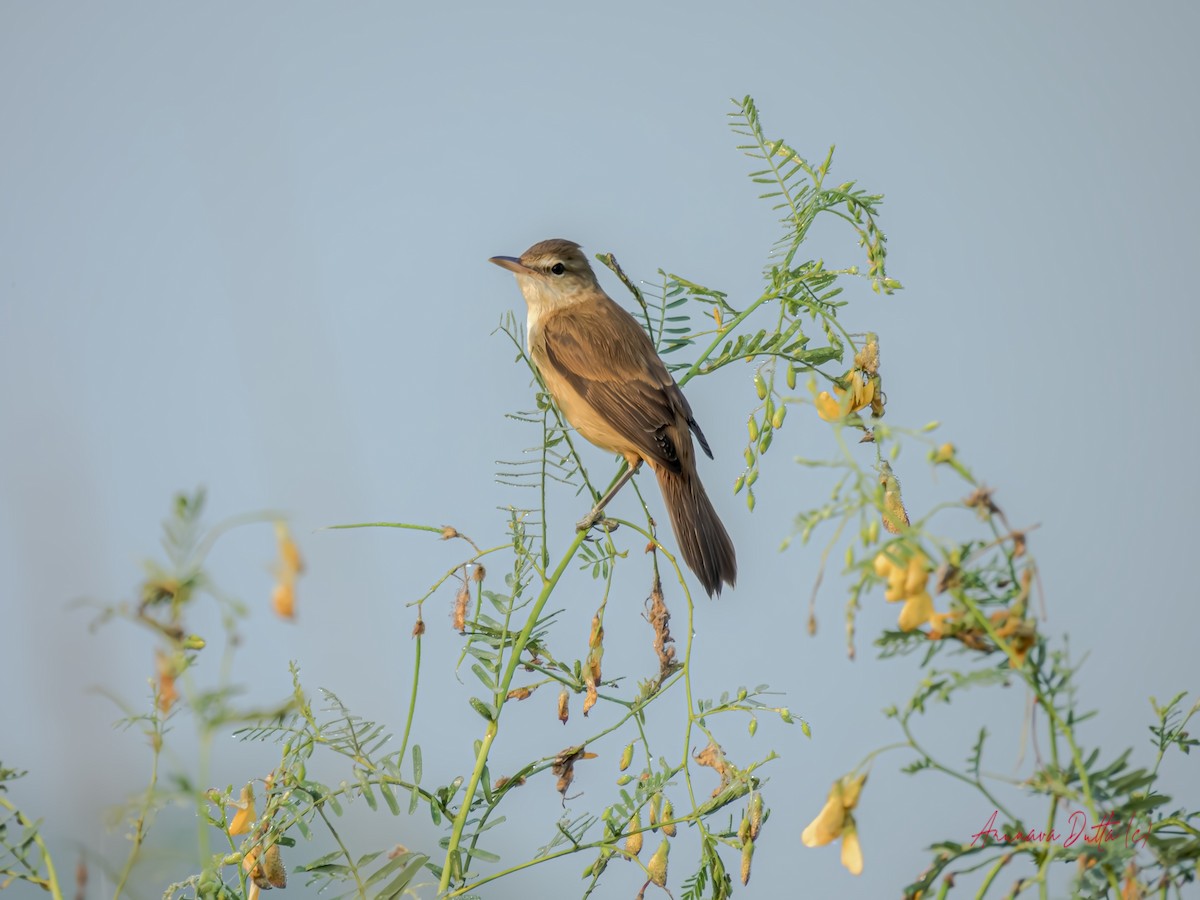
551	274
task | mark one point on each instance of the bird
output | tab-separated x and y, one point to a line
604	374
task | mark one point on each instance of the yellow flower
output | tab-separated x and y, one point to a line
916	576
828	408
943	454
851	850
291	564
908	583
283	600
835	820
918	609
245	816
289	554
862	388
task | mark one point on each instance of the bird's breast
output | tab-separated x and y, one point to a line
582	415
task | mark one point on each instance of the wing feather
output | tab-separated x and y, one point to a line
610	362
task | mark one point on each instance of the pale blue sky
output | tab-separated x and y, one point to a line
245	246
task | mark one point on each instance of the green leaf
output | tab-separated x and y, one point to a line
389	797
412	864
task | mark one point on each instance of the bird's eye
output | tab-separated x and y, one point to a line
558	268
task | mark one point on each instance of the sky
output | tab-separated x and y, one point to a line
245	247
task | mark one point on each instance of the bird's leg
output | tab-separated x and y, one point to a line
586	523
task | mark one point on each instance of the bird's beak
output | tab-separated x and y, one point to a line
513	265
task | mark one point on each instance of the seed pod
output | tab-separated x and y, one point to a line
668	813
752	427
273	869
756	813
777	419
744	830
658	864
626	758
894	516
747	855
655	802
791	377
760	386
633	843
461	600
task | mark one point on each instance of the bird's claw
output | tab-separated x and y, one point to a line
594	518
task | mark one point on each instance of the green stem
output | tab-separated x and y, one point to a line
139	829
489	737
50	882
345	852
412	701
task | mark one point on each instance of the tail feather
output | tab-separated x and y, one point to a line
703	541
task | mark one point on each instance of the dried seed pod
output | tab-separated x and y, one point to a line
461	601
273	873
747	855
895	516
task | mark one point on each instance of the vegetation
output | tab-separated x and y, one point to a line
967	608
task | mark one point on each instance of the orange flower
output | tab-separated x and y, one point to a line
291	564
1018	632
289	554
283	600
245	817
829	409
835	820
168	694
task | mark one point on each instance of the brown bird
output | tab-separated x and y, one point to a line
603	372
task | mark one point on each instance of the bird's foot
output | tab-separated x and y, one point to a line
594	518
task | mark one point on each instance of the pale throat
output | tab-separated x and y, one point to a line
544	297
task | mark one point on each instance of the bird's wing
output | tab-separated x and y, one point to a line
604	354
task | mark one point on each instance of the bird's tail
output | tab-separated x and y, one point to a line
702	538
